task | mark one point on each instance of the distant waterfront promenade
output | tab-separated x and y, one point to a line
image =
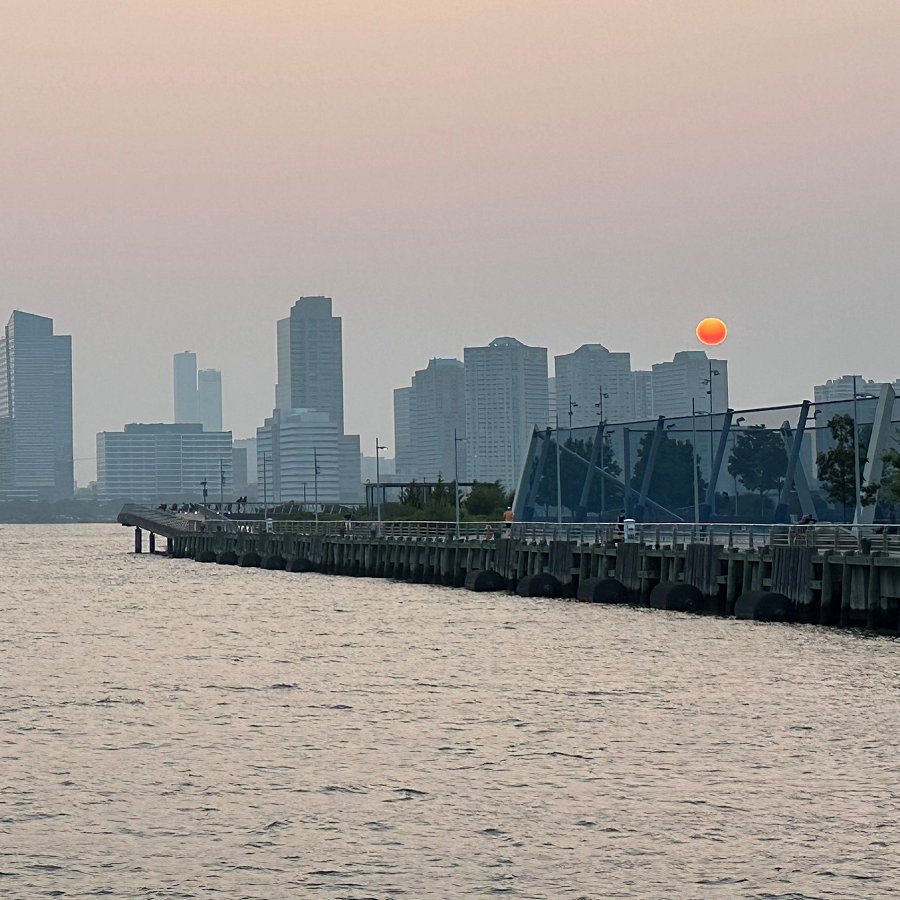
820	575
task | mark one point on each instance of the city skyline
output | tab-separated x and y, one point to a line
609	172
387	427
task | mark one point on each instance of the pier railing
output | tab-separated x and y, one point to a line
738	536
746	536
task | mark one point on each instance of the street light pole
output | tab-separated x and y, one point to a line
712	372
456	441
857	511
603	397
378	448
694	460
571	407
265	489
221	484
558	476
316	482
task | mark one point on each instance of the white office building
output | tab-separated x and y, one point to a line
592	378
164	463
437	414
688	378
209	399
403	456
310	360
642	391
36	458
506	398
299	457
248	447
842	388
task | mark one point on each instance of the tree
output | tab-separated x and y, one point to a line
411	495
890	481
760	460
671	484
574	461
837	466
487	499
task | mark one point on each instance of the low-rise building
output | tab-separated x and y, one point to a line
164	463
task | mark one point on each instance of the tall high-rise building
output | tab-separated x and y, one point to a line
36	458
403	457
690	376
642	389
209	399
310	360
591	376
187	410
308	419
437	415
506	398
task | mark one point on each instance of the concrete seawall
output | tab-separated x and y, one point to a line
775	583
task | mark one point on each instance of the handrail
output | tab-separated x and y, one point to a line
748	536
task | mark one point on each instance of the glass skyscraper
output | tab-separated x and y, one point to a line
36	458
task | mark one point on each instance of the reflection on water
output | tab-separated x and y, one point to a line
170	729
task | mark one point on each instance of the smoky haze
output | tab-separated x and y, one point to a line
174	175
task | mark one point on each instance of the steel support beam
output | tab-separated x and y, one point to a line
707	511
881	430
599	437
784	502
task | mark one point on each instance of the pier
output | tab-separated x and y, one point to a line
825	575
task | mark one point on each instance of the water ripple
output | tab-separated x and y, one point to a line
170	730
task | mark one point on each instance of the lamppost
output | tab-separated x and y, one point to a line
221	484
737	423
709	383
857	511
203	484
571	407
603	397
378	448
265	488
316	483
694	460
558	476
456	443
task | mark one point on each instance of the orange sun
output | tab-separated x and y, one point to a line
711	332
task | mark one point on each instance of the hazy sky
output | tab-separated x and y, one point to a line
174	174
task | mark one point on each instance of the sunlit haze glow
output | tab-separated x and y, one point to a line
176	174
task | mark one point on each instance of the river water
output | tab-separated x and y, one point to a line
171	729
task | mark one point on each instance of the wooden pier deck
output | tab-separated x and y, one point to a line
820	576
